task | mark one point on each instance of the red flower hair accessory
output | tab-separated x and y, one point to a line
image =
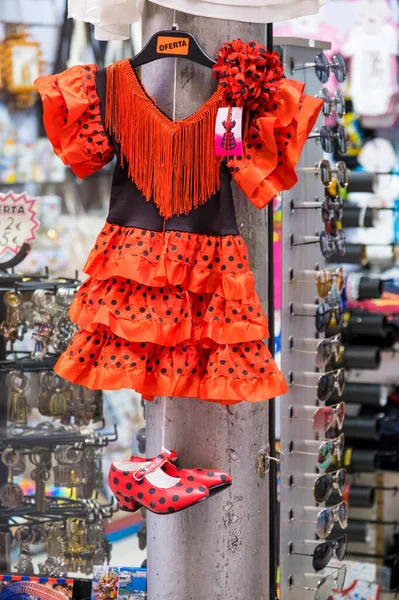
249	73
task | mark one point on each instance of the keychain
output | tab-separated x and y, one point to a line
53	400
17	384
11	494
25	536
64	329
10	327
58	400
44	303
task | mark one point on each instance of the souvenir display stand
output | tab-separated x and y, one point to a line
297	504
71	529
371	450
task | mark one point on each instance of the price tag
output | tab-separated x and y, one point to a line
18	222
228	131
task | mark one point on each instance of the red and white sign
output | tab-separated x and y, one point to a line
18	221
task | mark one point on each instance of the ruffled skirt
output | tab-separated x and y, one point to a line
172	314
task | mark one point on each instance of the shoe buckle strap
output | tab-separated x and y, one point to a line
155	464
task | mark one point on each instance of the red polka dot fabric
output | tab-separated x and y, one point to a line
172	314
72	119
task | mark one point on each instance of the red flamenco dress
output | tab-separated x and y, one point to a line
169	307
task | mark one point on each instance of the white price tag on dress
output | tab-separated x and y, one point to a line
18	221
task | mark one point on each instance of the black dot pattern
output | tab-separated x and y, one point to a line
195	259
131	494
171	313
241	360
162	338
276	162
95	147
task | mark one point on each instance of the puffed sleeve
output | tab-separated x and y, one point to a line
278	118
72	119
273	145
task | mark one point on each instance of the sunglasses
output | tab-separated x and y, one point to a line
328	584
324	170
327	137
325	279
326	450
342	174
331	214
326	241
323	485
325	313
334	203
330	515
325	383
324	349
323	67
324	418
324	551
332	102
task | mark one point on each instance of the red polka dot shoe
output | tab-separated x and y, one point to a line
147	484
215	481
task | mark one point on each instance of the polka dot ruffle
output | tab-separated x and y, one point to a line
274	142
166	315
196	262
172	314
72	119
223	373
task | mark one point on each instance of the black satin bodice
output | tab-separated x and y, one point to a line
129	208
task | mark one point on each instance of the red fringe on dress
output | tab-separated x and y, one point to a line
180	170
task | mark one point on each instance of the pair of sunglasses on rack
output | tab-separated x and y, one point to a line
327	585
327	517
330	203
324	350
324	279
324	313
327	173
324	551
327	137
332	102
326	241
324	418
323	67
326	451
323	383
331	213
323	485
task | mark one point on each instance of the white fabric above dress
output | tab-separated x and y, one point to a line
112	18
250	11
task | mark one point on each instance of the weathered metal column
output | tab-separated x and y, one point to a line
217	550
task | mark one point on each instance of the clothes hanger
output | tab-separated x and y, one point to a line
187	46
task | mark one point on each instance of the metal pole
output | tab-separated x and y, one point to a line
273	518
220	548
5	550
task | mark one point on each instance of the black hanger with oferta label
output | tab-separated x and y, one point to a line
172	43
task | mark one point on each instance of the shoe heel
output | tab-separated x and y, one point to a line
131	506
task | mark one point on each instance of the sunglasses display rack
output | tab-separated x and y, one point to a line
369	355
300	301
52	433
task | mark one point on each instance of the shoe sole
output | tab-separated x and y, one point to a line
216	489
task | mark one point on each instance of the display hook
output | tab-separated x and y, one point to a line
263	460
